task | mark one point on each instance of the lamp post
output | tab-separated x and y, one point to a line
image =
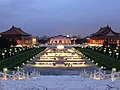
112	74
3	54
104	50
101	67
5	74
92	60
20	50
116	47
115	50
5	50
10	53
23	49
18	72
23	64
16	51
117	54
10	49
96	64
110	52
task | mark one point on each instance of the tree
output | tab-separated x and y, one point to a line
4	43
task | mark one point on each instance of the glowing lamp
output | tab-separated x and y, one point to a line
60	47
5	69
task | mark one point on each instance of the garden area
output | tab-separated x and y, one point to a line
18	56
102	57
110	51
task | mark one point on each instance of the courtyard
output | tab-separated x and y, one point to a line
60	60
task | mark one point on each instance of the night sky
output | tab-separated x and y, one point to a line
56	17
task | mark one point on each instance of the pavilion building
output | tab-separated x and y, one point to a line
60	39
17	35
104	37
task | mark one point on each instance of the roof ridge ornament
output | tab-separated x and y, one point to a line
108	26
12	26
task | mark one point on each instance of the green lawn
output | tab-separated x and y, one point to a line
101	59
18	59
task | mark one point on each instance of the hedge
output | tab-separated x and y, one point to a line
101	59
18	59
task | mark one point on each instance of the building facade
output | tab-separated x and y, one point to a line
105	36
18	36
60	39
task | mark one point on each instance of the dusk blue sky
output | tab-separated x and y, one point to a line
56	17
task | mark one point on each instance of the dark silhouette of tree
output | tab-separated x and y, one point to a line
4	43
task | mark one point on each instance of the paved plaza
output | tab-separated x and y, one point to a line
60	60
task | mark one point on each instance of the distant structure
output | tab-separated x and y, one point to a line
60	39
34	40
18	36
73	39
104	37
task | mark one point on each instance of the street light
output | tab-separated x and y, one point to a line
104	50
5	74
3	54
5	50
110	52
115	50
117	54
5	69
20	49
116	47
101	67
96	64
15	51
10	49
10	53
112	74
23	64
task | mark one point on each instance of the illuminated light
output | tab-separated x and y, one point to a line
117	48
60	47
33	57
10	49
15	50
96	64
19	42
26	41
5	50
18	45
68	35
113	69
5	69
34	40
3	54
18	67
101	67
23	63
89	59
92	60
70	50
104	50
117	53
